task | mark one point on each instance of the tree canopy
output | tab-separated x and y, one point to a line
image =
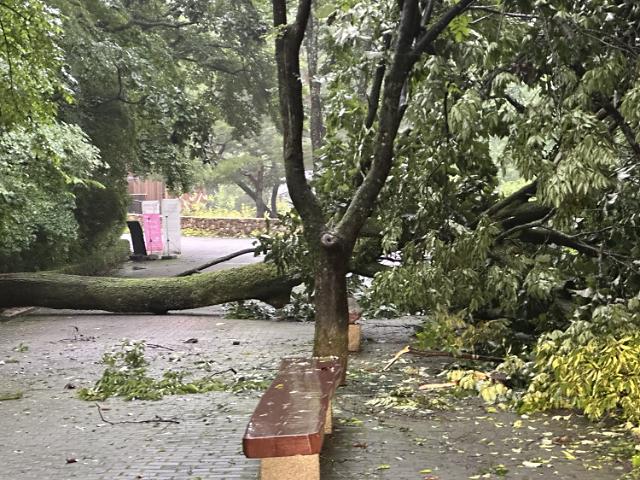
143	83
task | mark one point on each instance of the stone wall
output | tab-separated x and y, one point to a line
228	227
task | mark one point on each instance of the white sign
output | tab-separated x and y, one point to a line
150	206
171	225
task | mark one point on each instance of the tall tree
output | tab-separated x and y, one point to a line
44	163
251	163
332	240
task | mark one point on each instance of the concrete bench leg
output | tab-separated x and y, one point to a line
354	337
328	422
298	467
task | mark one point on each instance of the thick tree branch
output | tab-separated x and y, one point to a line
524	226
520	196
427	13
546	236
373	99
302	20
288	41
627	131
391	113
443	22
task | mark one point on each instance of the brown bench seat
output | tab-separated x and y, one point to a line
287	428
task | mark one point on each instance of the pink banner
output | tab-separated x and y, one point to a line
152	224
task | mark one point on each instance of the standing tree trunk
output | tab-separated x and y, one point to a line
332	323
274	201
261	207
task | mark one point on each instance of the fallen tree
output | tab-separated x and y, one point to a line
260	281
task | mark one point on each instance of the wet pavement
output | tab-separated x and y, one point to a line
195	252
49	426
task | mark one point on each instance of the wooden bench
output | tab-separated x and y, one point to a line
288	426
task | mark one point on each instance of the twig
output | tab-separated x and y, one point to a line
463	356
157	419
493	11
155	345
230	369
186	273
397	356
438	353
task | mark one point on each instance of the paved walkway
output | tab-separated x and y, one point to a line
50	426
195	252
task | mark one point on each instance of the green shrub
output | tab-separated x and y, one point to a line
591	366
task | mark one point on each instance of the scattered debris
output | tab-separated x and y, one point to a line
156	419
11	395
436	386
155	345
21	348
439	353
78	337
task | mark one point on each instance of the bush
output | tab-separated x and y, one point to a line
592	366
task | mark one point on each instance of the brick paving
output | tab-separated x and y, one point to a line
49	425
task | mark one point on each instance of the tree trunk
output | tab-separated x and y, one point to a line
261	207
256	196
274	202
330	298
333	243
260	281
258	182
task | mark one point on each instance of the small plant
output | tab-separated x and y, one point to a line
21	348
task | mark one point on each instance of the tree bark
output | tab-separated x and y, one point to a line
274	201
330	295
260	281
